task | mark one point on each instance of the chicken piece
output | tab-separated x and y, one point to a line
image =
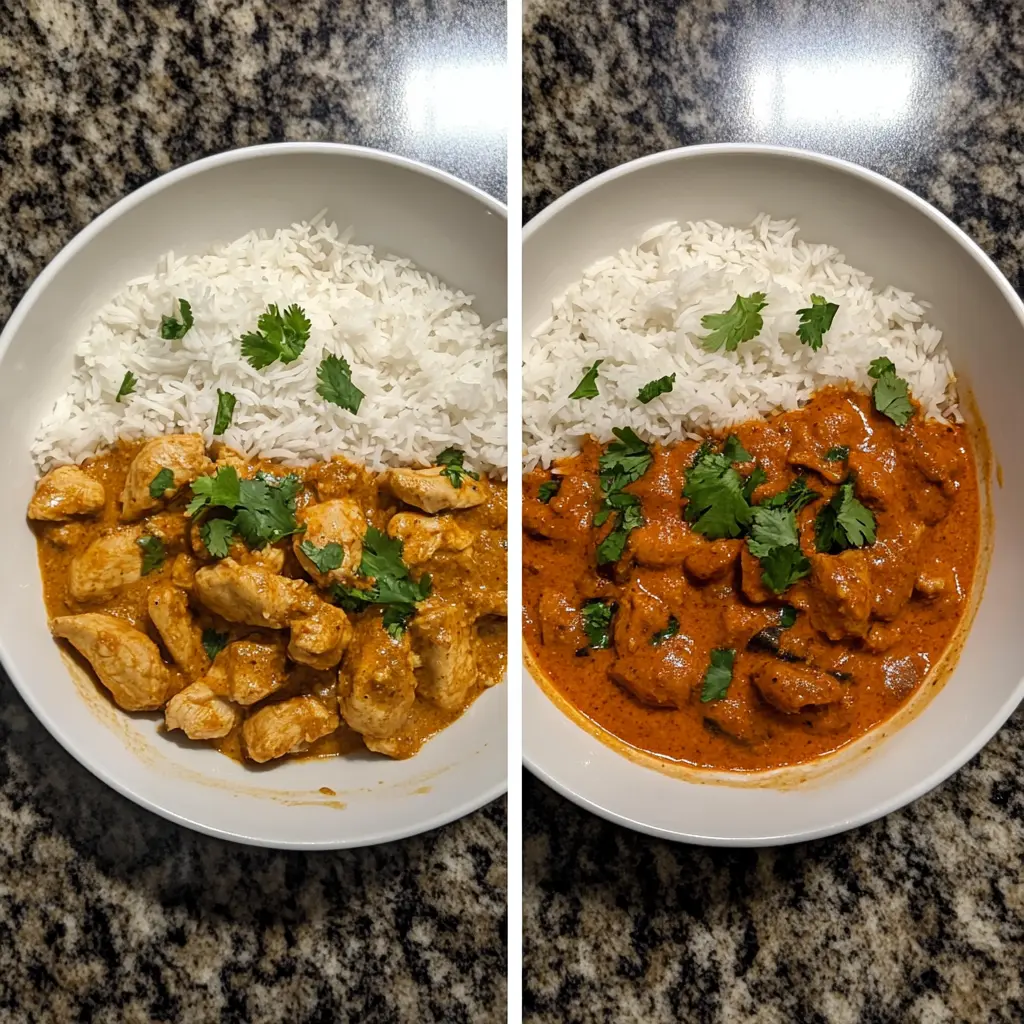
876	484
319	640
903	675
937	454
269	559
110	563
807	450
376	684
568	515
126	661
287	727
662	543
561	624
248	670
790	688
252	596
340	521
841	596
743	622
713	560
171	528
442	637
183	571
894	561
751	579
421	724
169	612
65	492
939	583
431	491
183	454
225	455
65	536
735	717
342	478
423	536
880	638
200	713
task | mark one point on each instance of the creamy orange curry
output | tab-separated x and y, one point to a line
758	600
275	611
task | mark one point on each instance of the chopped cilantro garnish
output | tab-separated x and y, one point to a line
815	320
651	390
756	478
740	322
793	498
214	642
774	541
664	634
629	516
329	557
715	502
734	451
450	461
163	481
587	388
153	554
127	387
891	394
171	329
548	489
280	336
840	453
623	461
216	535
225	410
335	384
597	621
843	523
718	675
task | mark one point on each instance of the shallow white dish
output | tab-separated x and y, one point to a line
899	239
404	208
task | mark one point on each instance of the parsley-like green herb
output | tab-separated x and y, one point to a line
597	622
217	535
891	394
664	634
815	320
843	523
734	451
840	453
163	481
587	388
629	516
793	498
395	620
280	336
153	554
756	478
214	642
622	462
740	322
718	675
715	502
548	489
782	567
651	390
329	557
335	384
774	541
127	387
220	489
450	461
788	617
171	329
225	410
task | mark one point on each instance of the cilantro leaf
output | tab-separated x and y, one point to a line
880	366
451	462
815	320
171	329
718	675
597	621
756	478
163	481
225	410
891	396
843	523
153	554
783	566
734	451
740	322
266	512
295	327
395	619
774	541
220	489
840	453
214	642
651	390
715	502
127	387
259	350
664	634
217	535
336	387
329	557
587	388
628	516
278	336
623	461
548	489
794	497
788	617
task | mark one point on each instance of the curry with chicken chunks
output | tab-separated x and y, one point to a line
756	600
276	611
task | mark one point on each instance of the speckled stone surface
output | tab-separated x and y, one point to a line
918	919
108	913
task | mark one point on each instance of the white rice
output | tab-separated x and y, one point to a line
640	310
433	375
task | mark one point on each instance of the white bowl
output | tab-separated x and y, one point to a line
900	240
402	207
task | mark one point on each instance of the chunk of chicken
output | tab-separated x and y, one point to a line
423	536
110	563
561	623
200	713
248	670
183	454
840	598
790	688
183	571
170	613
319	640
252	596
126	661
65	492
376	684
442	637
287	727
341	522
713	560
735	717
431	491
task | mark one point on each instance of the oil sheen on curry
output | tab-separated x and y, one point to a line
756	600
275	611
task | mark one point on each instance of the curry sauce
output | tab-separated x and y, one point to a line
815	667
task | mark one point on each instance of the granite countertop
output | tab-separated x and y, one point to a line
108	913
915	919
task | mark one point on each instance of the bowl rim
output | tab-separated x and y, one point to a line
28	300
959	758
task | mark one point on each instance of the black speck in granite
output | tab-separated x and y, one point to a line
108	914
917	919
